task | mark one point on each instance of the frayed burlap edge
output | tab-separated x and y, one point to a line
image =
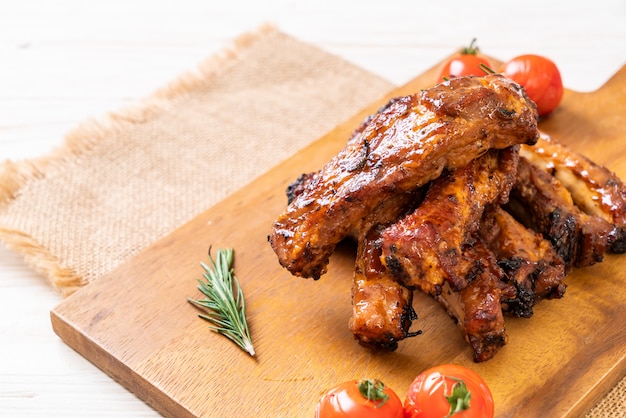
14	176
64	280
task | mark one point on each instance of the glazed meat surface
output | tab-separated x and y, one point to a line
477	307
424	249
595	190
300	184
382	310
435	248
541	202
528	260
402	147
454	192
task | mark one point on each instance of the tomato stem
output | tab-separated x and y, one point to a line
373	390
472	49
460	397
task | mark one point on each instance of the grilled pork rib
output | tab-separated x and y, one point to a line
594	189
529	262
382	310
435	248
424	249
402	147
541	202
477	307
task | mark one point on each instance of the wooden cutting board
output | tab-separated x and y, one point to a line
136	325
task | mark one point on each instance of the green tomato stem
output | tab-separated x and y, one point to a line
373	390
472	49
460	397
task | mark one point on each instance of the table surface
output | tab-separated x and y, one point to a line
66	61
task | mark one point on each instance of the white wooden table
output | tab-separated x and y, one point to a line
66	61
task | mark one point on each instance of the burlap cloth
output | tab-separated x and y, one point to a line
119	183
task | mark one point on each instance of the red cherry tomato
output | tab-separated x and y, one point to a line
541	79
448	390
467	62
366	398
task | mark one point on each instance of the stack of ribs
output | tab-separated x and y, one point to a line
452	191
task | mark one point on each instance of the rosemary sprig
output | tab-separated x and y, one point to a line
224	302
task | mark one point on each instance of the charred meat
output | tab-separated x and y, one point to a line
424	249
454	192
528	260
596	190
541	202
382	311
404	146
476	308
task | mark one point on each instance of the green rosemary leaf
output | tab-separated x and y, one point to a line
224	303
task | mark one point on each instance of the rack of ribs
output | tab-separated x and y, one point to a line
454	192
402	147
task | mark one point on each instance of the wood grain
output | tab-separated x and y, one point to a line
136	325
